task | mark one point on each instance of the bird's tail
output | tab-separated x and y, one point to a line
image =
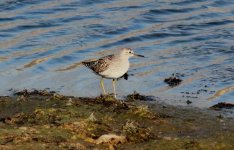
88	63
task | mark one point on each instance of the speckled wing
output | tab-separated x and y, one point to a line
99	65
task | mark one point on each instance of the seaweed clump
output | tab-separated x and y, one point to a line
135	133
138	96
27	92
222	105
174	80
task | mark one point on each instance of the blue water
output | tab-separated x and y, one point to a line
43	42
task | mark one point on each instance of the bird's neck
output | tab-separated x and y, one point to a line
123	57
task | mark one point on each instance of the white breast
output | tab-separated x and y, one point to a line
116	69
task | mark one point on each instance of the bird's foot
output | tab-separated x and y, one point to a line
111	95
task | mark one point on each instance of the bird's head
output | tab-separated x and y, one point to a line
129	52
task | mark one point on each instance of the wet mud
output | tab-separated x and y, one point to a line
47	120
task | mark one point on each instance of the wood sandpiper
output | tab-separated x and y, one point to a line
111	66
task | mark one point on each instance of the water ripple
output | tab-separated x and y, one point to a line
45	40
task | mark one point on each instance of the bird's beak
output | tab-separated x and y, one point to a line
138	55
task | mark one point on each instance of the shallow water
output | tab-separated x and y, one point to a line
43	42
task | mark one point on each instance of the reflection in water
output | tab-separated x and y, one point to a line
221	92
73	66
43	42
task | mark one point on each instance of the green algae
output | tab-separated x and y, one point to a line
52	121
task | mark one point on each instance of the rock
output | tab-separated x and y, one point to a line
111	139
222	105
172	81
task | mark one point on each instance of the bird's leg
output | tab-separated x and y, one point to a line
102	86
113	85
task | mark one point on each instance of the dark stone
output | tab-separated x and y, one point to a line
172	81
222	105
188	102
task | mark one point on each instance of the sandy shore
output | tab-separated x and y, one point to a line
48	120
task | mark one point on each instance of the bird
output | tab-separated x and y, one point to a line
112	66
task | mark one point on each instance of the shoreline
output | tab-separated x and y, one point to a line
42	119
